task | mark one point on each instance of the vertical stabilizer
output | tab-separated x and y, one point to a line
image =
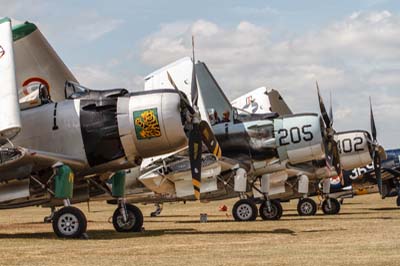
278	105
181	73
255	102
10	121
215	100
262	101
37	63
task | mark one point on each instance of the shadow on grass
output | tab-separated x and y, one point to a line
325	215
112	235
385	209
339	217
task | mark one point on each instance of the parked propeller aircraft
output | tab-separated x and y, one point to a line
265	149
355	148
60	148
362	180
251	165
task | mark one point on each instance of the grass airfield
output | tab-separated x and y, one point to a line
367	232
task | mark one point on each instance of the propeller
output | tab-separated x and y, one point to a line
377	150
199	130
331	147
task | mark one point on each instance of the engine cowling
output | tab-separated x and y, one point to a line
354	148
299	138
149	123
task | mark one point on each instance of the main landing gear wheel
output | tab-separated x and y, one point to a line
69	222
273	213
306	207
333	209
398	201
134	221
244	210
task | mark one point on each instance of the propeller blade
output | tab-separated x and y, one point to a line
373	127
377	166
377	150
325	116
336	158
183	98
328	153
195	149
209	139
330	107
194	91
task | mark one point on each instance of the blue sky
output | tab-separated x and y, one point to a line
351	47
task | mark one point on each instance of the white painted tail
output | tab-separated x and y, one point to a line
10	122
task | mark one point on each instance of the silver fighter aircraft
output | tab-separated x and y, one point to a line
60	148
267	156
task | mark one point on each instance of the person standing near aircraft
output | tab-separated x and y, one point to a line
226	117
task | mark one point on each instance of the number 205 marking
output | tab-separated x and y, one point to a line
295	135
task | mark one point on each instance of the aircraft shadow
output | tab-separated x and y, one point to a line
385	209
341	218
324	215
112	235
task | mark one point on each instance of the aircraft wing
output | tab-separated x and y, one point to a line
19	162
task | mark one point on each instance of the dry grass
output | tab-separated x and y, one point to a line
366	232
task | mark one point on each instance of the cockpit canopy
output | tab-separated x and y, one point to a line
74	90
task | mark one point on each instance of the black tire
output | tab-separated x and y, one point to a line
69	222
306	207
335	207
135	219
244	210
398	201
274	214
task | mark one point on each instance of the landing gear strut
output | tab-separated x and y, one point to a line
68	222
272	212
127	218
48	219
397	184
157	212
330	206
306	207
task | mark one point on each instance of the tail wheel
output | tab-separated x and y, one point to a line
273	213
69	222
134	222
398	201
333	209
244	210
306	207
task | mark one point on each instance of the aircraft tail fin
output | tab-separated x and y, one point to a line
37	63
262	101
278	105
211	93
10	121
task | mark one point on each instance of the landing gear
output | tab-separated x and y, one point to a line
157	212
272	212
69	222
397	184
48	219
244	210
330	206
127	218
306	207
